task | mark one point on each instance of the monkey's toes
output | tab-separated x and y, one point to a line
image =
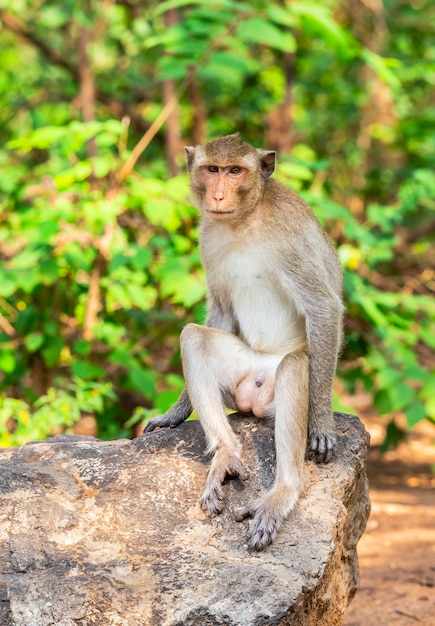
264	528
247	511
321	448
211	499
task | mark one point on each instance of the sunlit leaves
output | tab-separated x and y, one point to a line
382	67
260	31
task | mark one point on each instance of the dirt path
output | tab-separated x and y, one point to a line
397	551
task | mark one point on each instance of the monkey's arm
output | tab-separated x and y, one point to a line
317	297
324	337
218	316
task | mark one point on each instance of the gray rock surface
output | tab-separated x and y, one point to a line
111	533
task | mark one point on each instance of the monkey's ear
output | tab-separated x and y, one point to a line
190	154
267	162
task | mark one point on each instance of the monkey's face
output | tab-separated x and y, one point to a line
227	177
224	187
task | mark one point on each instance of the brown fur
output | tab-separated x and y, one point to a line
273	332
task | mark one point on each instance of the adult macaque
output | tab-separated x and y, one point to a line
273	332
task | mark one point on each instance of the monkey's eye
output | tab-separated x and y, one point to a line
235	170
213	169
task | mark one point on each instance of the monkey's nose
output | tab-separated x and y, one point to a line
219	195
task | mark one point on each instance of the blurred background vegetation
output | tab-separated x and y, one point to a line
99	267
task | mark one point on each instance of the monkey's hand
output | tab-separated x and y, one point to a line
224	464
268	513
167	420
321	446
174	417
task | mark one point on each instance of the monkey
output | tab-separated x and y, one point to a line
273	331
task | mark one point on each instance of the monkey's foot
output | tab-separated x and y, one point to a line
321	447
268	513
163	421
265	524
212	496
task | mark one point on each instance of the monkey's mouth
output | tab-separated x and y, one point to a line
219	212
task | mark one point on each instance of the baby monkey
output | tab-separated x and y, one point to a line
270	343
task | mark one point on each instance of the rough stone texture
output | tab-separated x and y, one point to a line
108	533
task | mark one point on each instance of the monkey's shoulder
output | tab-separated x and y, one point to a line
278	194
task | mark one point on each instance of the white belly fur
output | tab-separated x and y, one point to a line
267	319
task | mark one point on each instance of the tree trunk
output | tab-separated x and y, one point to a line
279	135
87	85
199	131
172	128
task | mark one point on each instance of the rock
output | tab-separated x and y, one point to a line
111	533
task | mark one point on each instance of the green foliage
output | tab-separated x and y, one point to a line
100	271
52	413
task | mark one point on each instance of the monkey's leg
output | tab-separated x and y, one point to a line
174	417
291	419
213	363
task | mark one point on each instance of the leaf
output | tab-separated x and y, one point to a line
142	298
41	138
51	351
382	402
34	341
231	61
141	259
184	288
171	67
167	5
87	370
430	407
52	16
143	381
382	68
118	260
373	312
82	347
415	413
401	395
7	361
319	17
48	271
393	437
281	15
428	389
7	285
122	357
27	258
428	336
295	170
165	400
260	31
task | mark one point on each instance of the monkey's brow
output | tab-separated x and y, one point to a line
223	165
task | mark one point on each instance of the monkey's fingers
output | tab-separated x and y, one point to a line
321	448
162	421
